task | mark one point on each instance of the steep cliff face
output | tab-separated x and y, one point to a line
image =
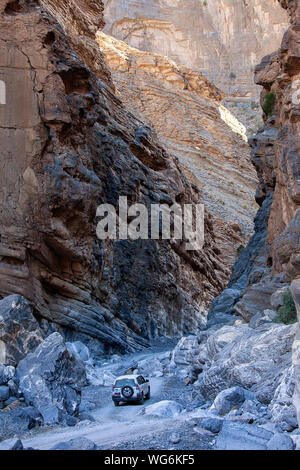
275	155
275	150
67	144
185	110
223	38
271	261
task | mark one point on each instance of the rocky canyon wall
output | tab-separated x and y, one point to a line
224	39
271	262
185	110
68	144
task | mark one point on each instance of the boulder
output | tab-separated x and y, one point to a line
17	445
13	387
222	338
231	398
6	374
84	416
255	359
271	314
213	425
254	407
257	297
18	421
100	376
79	443
258	320
163	409
150	367
280	442
174	438
184	355
51	379
224	303
19	331
281	408
277	298
242	436
4	393
86	405
79	350
237	416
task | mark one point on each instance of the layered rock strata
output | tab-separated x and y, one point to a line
185	110
224	40
67	145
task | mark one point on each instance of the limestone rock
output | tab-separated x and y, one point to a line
79	350
282	408
19	331
6	374
213	425
240	356
231	398
257	297
242	436
255	361
79	443
51	380
280	442
163	409
19	421
208	36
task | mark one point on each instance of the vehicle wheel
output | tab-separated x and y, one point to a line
148	394
116	403
142	399
127	391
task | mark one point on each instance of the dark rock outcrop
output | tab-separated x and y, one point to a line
51	380
19	421
67	145
19	330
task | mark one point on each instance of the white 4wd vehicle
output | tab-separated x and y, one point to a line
130	388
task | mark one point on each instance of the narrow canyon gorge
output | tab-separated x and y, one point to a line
161	102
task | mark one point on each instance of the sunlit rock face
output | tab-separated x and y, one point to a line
185	110
222	38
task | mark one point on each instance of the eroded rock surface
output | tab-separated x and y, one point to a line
185	110
20	332
67	145
51	380
222	39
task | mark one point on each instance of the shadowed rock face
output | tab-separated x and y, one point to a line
275	151
67	144
275	246
223	39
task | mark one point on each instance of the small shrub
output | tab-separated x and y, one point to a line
205	3
269	103
240	250
287	313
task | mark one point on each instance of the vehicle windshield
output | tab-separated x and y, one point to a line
123	382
